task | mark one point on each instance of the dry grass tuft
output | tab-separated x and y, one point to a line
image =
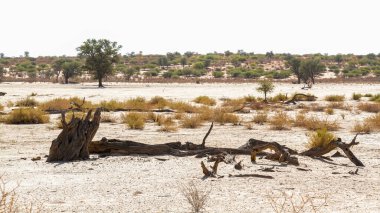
168	128
222	116
112	105
369	107
134	120
329	111
205	100
158	102
191	121
320	138
310	97
316	107
195	197
108	118
64	104
375	98
362	128
278	98
182	107
138	103
314	123
27	102
280	121
356	96
335	98
260	117
234	104
27	116
374	121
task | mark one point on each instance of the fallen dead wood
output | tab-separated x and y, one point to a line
280	155
345	147
2	93
296	96
252	175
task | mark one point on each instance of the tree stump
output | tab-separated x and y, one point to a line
72	143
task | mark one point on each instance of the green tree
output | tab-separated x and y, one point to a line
100	57
57	66
183	61
1	72
26	54
310	68
70	69
295	65
163	61
265	86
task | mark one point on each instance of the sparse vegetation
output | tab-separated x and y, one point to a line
191	121
27	102
205	100
112	105
320	138
181	107
265	86
364	127
314	123
134	120
138	103
329	111
158	102
27	116
334	98
59	104
356	96
373	121
369	107
375	98
195	197
280	121
260	117
108	118
222	117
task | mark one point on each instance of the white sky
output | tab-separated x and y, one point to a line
57	27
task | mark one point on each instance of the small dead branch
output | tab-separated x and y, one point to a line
354	172
203	145
252	175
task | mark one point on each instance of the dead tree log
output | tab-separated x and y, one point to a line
345	147
72	143
280	155
2	93
296	96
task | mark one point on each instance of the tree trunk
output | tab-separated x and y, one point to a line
66	80
100	85
72	143
298	79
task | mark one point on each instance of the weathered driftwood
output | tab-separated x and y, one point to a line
281	154
72	142
295	98
345	147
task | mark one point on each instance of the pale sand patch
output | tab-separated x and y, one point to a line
110	184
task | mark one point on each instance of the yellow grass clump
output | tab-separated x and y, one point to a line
334	98
134	120
362	127
191	121
222	117
181	107
234	104
205	100
64	104
138	103
320	138
373	121
112	105
369	107
314	123
329	111
280	121
27	102
158	102
260	117
27	116
278	98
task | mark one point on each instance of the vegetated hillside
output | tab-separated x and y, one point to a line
227	65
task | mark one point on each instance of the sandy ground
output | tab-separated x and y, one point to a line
146	184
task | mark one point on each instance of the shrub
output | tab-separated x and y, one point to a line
134	120
260	117
27	116
222	117
329	111
191	121
374	121
138	103
112	105
280	121
234	104
361	127
314	123
335	98
27	102
369	107
320	138
58	104
206	113
205	100
279	98
356	96
375	98
368	95
181	107
158	102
